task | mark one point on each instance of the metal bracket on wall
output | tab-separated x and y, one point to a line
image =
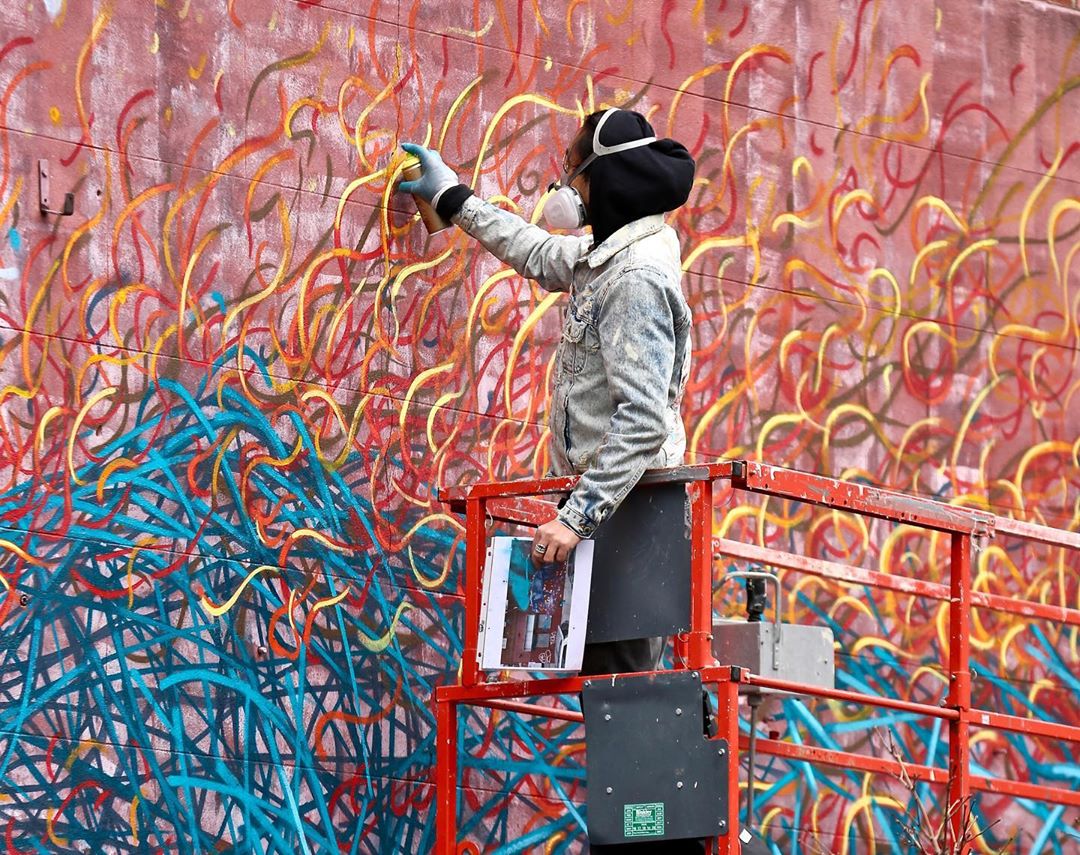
43	194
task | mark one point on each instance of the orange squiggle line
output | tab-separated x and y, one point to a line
96	30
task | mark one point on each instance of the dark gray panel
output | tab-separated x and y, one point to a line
652	774
641	567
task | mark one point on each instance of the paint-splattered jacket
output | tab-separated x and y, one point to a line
624	356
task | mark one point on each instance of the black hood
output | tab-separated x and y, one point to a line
628	185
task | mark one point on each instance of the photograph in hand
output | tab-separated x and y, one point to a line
533	613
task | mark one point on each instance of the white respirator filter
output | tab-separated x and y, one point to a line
564	209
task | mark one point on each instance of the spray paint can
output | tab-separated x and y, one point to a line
432	221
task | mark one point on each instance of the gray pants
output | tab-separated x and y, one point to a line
622	657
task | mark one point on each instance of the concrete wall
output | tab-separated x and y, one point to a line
230	381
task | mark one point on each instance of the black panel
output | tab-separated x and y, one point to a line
652	774
641	567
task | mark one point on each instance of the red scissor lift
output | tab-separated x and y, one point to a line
515	502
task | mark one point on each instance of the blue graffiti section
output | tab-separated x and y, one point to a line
137	710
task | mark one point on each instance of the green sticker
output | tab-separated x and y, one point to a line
644	820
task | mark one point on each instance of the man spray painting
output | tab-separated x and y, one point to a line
624	355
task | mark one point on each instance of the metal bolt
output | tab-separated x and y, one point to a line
678	785
607	716
24	599
678	710
723	824
610	791
694	674
261	651
588	683
720	752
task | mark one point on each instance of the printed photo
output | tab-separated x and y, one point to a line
534	614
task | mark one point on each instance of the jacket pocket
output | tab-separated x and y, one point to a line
574	344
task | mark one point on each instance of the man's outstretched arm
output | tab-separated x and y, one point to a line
533	252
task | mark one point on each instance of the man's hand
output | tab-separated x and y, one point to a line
553	542
437	176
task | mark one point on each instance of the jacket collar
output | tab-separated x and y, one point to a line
624	237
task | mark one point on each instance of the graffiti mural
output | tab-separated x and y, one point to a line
232	378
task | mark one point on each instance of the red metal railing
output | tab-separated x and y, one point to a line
514	502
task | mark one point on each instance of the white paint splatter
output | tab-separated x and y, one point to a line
53	8
9	274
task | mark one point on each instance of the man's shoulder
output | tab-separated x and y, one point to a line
659	248
640	283
657	256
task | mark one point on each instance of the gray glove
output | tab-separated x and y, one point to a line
437	177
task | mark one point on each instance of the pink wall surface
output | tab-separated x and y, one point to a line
231	380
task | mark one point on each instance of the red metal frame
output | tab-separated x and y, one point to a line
959	789
512	502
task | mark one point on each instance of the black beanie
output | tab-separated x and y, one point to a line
628	185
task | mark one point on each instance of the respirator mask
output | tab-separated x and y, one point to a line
564	208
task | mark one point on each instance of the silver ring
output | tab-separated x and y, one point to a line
541	548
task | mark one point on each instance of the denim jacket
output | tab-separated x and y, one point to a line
624	357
